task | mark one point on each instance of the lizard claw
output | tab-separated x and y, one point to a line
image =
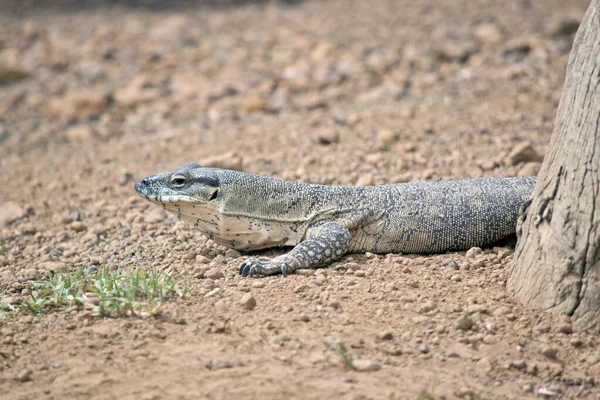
262	266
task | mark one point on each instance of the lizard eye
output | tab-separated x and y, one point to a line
178	181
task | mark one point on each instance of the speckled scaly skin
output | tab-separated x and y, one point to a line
249	212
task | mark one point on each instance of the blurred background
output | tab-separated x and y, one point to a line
339	91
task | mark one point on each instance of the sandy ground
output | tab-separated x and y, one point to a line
344	92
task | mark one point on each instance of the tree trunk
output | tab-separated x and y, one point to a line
557	260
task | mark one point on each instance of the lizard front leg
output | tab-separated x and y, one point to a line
323	244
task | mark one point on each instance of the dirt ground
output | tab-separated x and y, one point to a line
338	91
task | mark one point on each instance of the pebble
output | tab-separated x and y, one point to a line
155	216
386	136
353	266
328	136
488	33
300	288
450	263
304	271
248	301
365	180
364	365
564	27
385	335
202	259
485	364
10	212
464	323
25	375
550	352
230	160
213	292
566	329
502	310
258	285
523	152
78	133
466	393
474	252
426	307
78	226
190	255
231	253
213	273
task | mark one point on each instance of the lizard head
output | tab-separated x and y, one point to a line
188	185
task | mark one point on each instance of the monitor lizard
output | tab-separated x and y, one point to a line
249	212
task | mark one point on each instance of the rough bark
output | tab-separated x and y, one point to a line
557	260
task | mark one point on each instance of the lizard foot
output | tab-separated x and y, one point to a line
262	266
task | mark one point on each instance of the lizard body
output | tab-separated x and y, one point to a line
250	212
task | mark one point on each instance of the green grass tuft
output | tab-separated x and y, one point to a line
104	293
6	309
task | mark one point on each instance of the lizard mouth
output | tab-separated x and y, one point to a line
173	199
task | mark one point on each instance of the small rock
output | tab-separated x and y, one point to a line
300	288
564	27
385	335
359	273
543	329
10	74
254	103
456	278
202	259
502	310
452	52
566	329
79	133
78	104
248	301
328	136
547	392
334	304
78	226
528	388
464	323
401	178
190	255
474	252
362	365
465	393
488	33
550	352
426	307
231	253
450	263
230	160
10	212
304	271
485	364
213	273
423	348
155	216
25	375
576	342
365	180
523	152
213	292
530	169
386	137
258	285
